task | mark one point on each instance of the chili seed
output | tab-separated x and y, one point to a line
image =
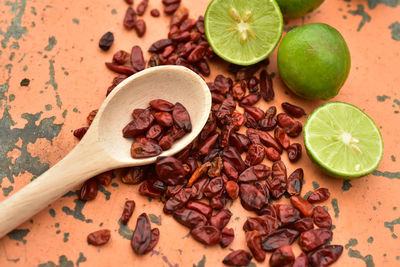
155	13
99	237
120	57
238	258
141	8
293	110
89	190
106	41
140	27
127	212
80	132
130	18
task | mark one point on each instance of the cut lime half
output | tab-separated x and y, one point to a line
343	140
243	32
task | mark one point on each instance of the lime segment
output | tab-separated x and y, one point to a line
241	31
343	140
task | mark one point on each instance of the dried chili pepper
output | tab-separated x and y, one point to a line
127	212
141	237
99	237
238	258
106	41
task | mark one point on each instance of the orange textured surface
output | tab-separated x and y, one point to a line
55	46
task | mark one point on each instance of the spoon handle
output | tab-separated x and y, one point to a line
79	165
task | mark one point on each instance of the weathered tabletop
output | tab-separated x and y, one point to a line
53	46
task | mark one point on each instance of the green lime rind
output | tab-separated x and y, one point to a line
292	9
266	24
322	131
314	61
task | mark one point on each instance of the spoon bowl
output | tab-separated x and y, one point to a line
103	147
171	83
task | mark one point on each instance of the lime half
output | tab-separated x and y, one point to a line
343	140
243	32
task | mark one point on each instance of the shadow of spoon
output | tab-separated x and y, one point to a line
103	147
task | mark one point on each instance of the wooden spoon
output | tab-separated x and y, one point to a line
103	147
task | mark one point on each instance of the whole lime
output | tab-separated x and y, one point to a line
314	61
297	8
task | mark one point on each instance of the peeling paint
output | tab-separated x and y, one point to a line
124	231
65	239
386	174
52	213
19	235
7	190
395	27
352	242
52	43
335	207
201	263
53	83
346	185
77	211
391	224
14	30
361	12
155	219
81	259
369	261
392	3
103	190
33	130
62	262
315	185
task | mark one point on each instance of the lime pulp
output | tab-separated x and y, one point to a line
243	32
343	140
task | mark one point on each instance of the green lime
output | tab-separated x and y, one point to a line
297	8
243	32
314	61
343	140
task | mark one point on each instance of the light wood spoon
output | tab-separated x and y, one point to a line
103	147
